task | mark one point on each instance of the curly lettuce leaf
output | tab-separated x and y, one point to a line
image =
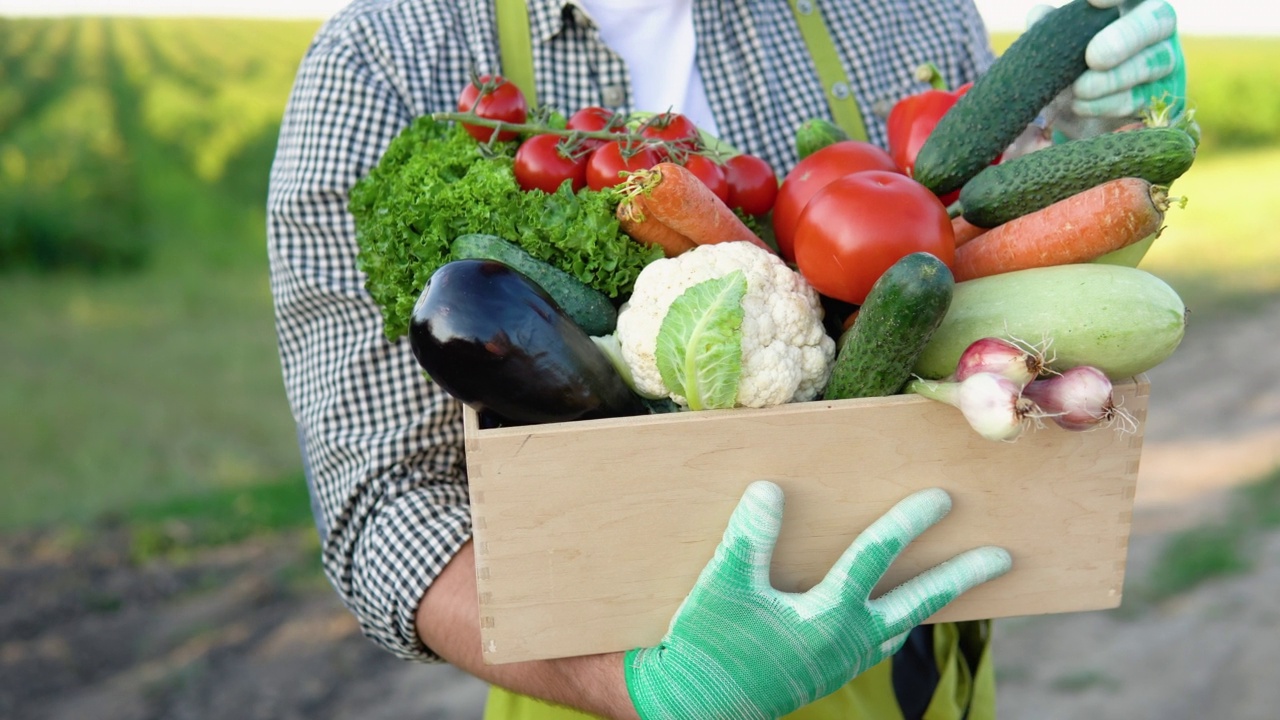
435	182
699	349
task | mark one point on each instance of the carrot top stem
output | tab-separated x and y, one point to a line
638	182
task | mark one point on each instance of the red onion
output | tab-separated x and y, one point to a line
994	355
992	404
1077	399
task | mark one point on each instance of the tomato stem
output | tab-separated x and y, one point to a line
533	128
632	141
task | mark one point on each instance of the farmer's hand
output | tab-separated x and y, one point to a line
1134	63
739	649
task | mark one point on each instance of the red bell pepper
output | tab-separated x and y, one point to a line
914	117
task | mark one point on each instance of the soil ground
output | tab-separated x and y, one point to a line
250	632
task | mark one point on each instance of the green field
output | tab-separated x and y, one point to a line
139	359
128	386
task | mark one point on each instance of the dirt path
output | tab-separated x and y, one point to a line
241	633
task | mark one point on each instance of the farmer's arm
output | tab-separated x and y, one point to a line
448	623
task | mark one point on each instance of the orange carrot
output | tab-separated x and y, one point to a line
636	221
1077	229
677	199
964	230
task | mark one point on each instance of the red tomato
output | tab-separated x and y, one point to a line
811	174
674	129
710	173
606	164
494	99
543	162
752	184
593	119
856	227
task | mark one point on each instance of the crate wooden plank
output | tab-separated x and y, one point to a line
588	535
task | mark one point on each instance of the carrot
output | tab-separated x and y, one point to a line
964	230
641	225
677	200
1077	229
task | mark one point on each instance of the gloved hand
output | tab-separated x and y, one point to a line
1133	63
737	649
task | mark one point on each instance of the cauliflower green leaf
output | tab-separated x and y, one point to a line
699	349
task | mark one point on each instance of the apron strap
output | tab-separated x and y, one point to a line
835	84
515	45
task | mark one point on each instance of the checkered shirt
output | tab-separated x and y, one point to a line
383	447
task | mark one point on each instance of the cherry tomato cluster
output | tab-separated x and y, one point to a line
579	154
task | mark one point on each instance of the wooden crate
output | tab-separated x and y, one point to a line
589	534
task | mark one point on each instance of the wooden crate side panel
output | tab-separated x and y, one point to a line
587	538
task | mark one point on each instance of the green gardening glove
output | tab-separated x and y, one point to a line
1134	64
737	649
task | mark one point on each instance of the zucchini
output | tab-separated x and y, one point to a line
1121	320
589	308
1023	185
893	325
815	134
1041	63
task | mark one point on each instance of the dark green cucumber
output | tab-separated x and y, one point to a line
1041	63
1028	183
815	134
894	324
589	308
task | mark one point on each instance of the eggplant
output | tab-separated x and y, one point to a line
495	340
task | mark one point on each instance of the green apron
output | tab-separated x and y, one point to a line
966	682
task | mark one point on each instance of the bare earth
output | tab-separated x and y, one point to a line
239	633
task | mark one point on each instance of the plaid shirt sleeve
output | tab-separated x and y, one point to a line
382	446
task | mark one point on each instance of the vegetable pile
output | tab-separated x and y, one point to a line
549	269
436	183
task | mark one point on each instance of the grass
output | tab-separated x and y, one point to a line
1213	551
208	519
127	389
1084	680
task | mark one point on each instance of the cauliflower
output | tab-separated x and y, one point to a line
786	355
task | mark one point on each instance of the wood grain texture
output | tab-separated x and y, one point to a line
588	535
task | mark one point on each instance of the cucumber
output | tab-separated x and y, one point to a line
1121	320
1023	185
815	134
589	308
1041	63
894	323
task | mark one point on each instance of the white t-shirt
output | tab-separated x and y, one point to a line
655	39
